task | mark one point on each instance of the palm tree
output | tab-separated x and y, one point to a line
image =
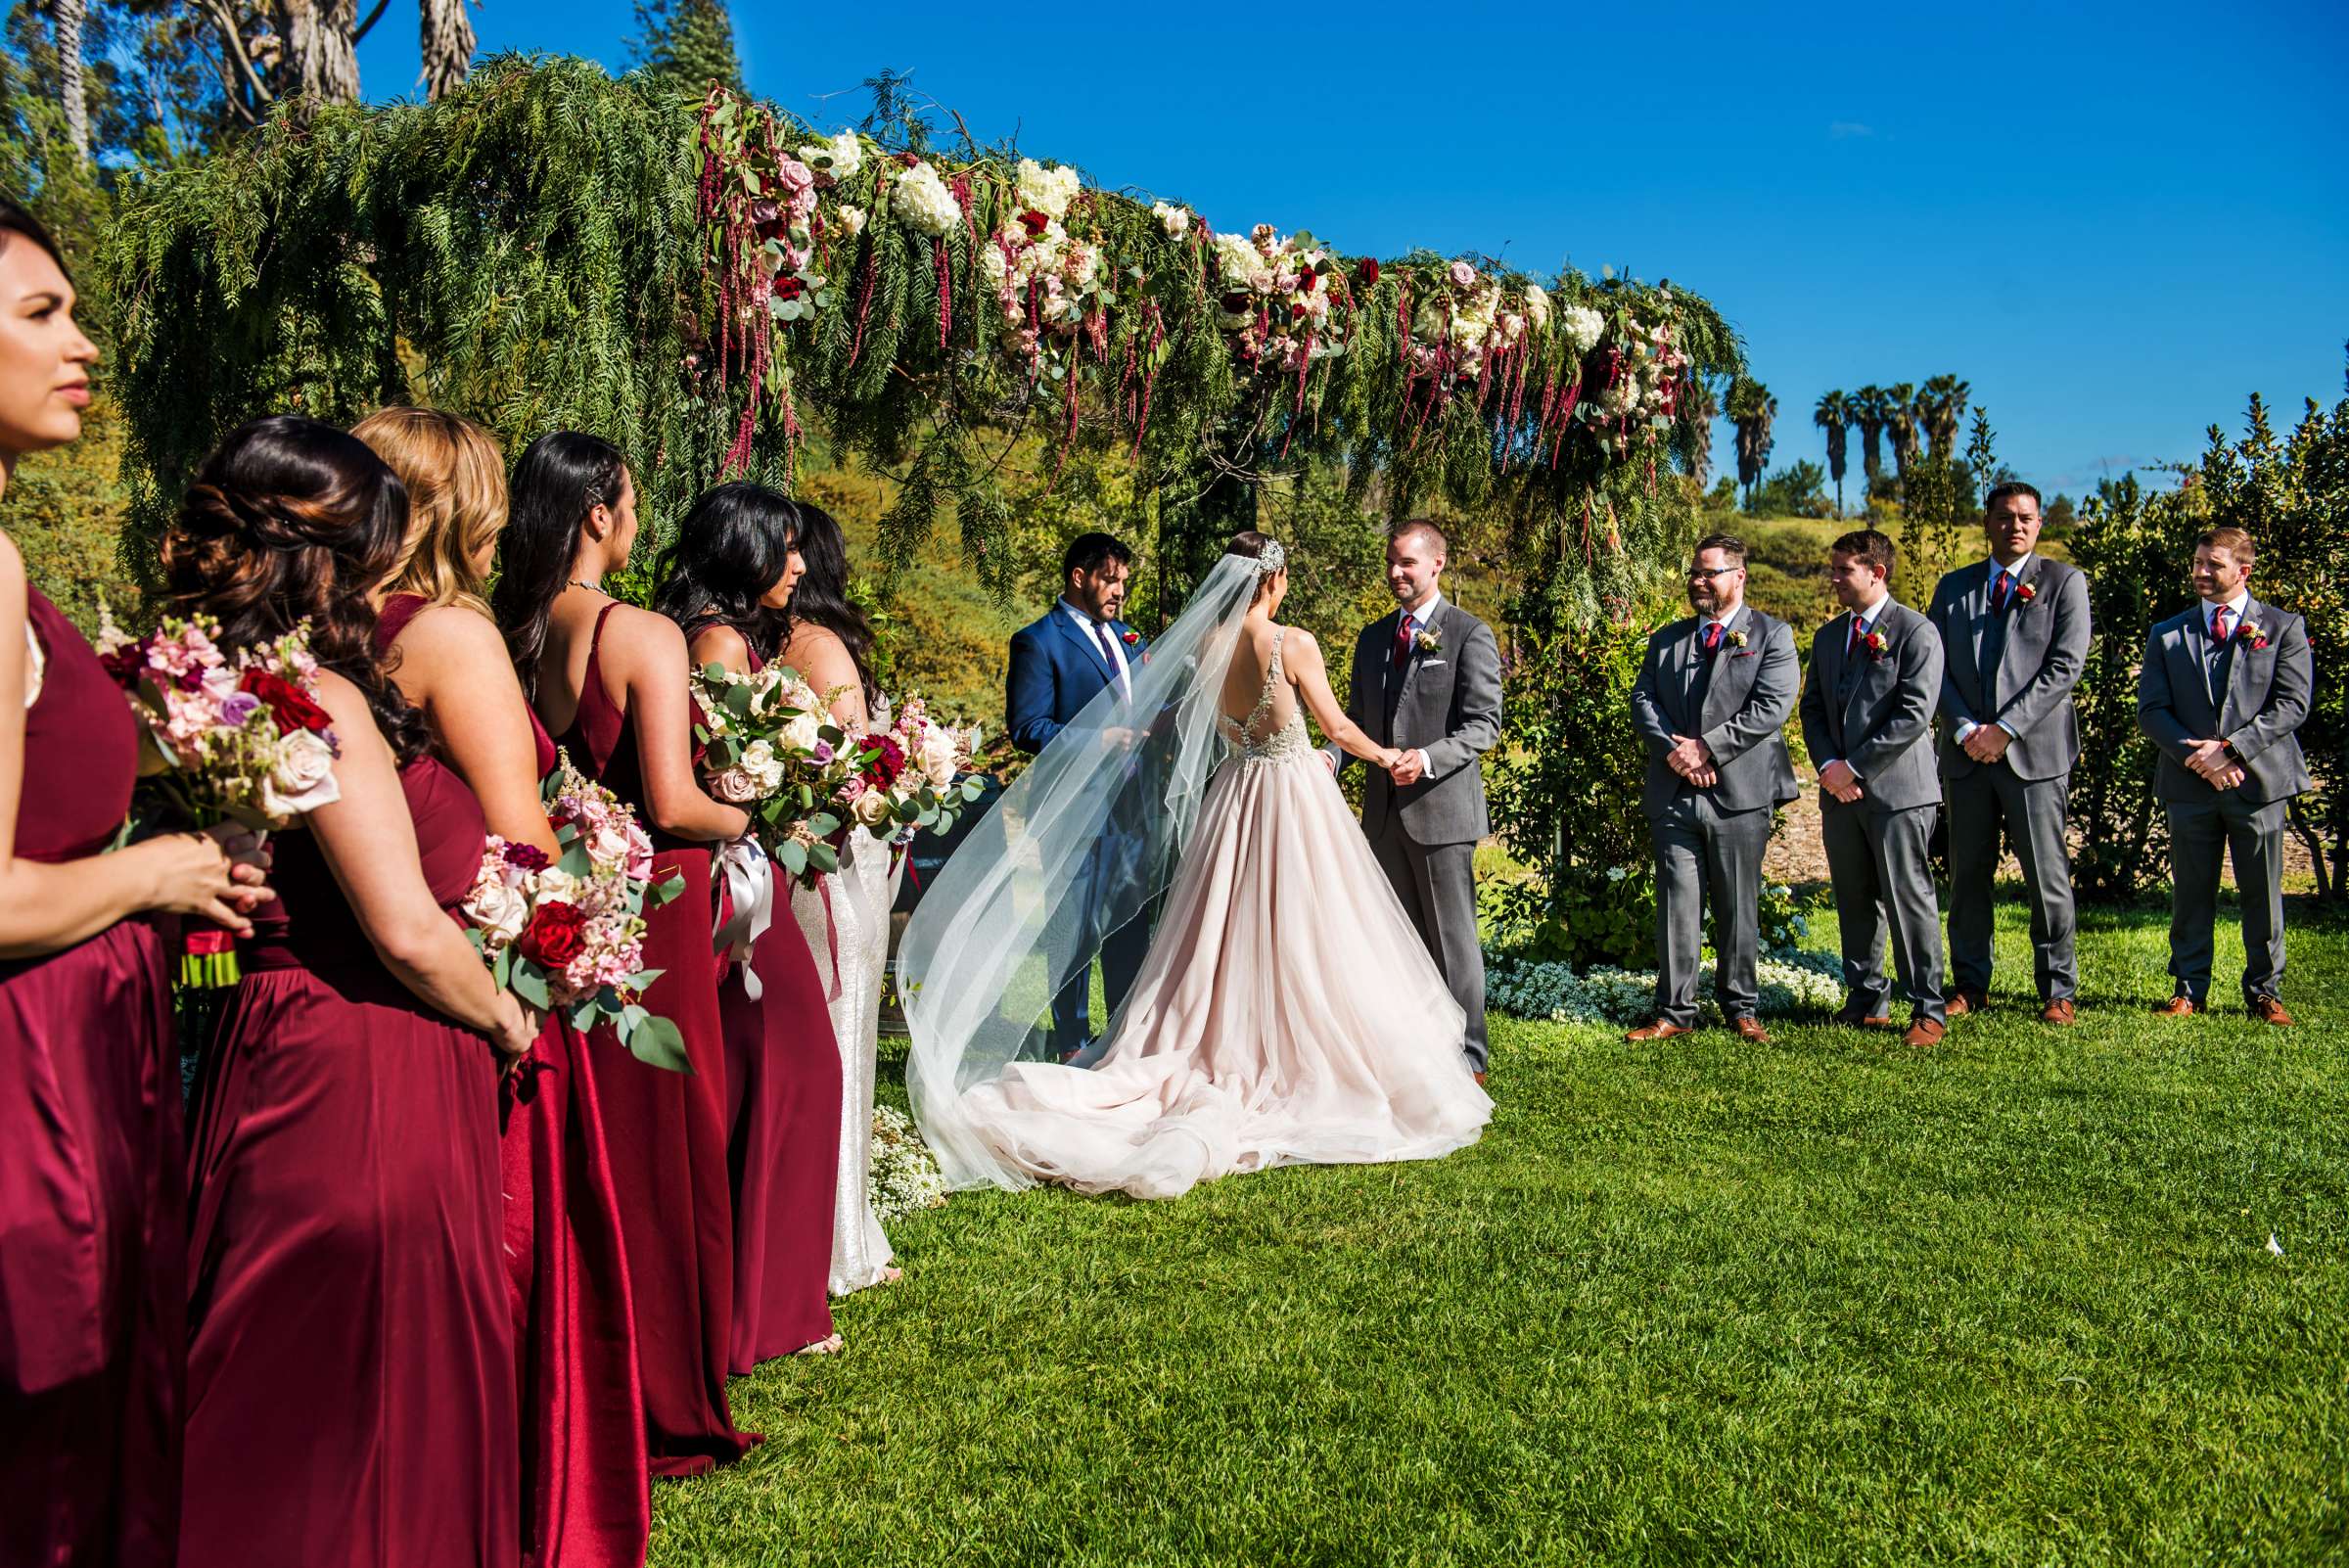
1703	409
1867	412
1942	405
1835	416
1900	420
72	91
1751	409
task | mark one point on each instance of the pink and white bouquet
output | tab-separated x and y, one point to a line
242	736
568	936
909	773
770	746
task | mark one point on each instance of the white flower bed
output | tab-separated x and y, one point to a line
1790	981
905	1176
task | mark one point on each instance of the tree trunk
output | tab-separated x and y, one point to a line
321	58
444	38
71	90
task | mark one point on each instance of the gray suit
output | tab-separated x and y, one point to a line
2262	696
2016	668
1874	711
1444	701
1736	699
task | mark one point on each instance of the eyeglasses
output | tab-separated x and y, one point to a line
1707	573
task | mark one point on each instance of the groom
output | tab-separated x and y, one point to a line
1427	679
1058	664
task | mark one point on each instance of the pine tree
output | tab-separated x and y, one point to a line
686	44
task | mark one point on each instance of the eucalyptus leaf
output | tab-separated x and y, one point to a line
657	1043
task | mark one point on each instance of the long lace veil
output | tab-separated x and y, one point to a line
1080	846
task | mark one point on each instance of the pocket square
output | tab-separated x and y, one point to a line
1429	664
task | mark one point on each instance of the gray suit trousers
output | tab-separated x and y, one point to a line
1437	884
1879	863
1705	855
2033	812
2200	832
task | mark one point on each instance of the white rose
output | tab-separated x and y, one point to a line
803	733
873	809
1536	305
608	843
500	911
938	756
559	884
851	219
1175	220
765	769
840	156
303	779
735	786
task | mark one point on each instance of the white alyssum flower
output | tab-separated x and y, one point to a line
905	1176
1789	982
924	204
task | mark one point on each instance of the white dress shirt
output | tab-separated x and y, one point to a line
1417	620
1867	623
1092	639
1997	572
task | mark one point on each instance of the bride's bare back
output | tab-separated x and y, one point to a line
1266	649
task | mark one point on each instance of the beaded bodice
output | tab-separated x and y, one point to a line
1256	739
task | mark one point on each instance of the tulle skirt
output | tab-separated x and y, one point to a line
1287	1014
93	1254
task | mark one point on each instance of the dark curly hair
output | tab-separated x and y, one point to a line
732	547
822	597
290	520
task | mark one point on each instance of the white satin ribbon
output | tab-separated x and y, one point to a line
751	888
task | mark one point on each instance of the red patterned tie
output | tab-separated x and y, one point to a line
2218	626
1403	642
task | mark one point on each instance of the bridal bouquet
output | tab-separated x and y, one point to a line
908	773
242	735
567	936
770	746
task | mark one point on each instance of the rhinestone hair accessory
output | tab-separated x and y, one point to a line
1272	560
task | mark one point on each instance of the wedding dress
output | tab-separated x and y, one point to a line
1287	1012
847	925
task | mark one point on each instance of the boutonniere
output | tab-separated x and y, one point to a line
1876	644
2252	630
1736	639
2024	593
1133	637
1427	642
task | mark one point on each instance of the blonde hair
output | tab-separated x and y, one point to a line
456	481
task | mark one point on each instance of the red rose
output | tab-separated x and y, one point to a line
289	704
788	288
1133	637
1367	269
127	663
1307	282
552	939
1296	312
1035	223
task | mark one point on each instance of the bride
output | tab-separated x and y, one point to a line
1287	1014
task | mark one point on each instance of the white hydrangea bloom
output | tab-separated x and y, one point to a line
1584	328
1048	191
924	204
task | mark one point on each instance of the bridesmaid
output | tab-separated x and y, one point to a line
585	1494
93	1269
350	1392
610	680
845	921
730	576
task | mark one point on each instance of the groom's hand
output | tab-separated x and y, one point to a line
1407	769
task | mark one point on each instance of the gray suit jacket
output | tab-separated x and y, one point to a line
2030	690
2267	698
1883	724
1747	702
1449	708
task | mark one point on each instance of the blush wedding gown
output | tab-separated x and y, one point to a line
1287	1013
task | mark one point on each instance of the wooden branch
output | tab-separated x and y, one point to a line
373	17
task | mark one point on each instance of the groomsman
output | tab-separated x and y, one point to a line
2014	634
1868	713
1713	697
2222	691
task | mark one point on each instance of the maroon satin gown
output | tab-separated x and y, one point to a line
783	1094
666	1131
584	1497
92	1227
350	1366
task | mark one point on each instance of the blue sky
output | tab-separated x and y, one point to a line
2115	221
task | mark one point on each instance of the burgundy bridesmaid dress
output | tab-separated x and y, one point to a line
350	1366
783	1094
666	1131
584	1497
92	1225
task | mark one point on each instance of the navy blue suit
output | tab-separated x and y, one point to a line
1055	671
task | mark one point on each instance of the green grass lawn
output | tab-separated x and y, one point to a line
1829	1300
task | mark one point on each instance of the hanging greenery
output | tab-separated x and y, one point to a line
709	284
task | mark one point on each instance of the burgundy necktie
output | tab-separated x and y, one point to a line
1852	647
1713	637
2218	626
2000	590
1403	642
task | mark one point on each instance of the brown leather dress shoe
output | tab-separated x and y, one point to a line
2269	1010
1661	1029
1480	1080
2176	1007
2058	1011
1924	1031
1750	1031
1851	1020
1968	1002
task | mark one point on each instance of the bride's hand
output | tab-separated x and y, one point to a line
1389	757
